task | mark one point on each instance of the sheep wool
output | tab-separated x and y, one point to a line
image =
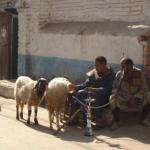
56	97
26	92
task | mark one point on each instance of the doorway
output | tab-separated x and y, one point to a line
8	44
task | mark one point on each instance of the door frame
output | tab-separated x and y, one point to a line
13	43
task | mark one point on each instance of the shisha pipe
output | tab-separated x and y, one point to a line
89	130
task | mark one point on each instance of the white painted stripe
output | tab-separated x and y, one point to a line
87	47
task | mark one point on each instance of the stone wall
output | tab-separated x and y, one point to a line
69	49
95	10
3	3
147	61
8	3
48	46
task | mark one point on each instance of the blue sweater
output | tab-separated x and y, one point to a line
101	82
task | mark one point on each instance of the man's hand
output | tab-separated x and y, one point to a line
72	88
114	94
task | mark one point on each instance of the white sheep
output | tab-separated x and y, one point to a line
56	97
30	92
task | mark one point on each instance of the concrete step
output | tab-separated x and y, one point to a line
7	88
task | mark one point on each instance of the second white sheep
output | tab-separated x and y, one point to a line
56	97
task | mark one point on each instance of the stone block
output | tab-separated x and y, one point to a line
7	88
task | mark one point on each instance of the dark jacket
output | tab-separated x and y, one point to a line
102	82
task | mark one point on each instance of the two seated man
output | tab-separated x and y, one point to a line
127	88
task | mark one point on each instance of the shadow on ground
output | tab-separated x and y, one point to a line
129	128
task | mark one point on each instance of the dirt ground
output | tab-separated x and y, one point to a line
17	135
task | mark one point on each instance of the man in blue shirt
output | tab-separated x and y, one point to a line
98	85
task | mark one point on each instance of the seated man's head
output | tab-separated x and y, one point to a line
126	64
100	64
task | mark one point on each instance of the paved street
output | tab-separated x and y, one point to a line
16	135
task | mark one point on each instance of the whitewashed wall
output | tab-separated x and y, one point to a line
87	47
93	10
41	12
54	49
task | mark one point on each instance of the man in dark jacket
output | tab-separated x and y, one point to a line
98	85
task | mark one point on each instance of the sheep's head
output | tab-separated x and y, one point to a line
41	86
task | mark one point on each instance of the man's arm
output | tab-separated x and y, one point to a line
84	85
106	89
143	87
117	82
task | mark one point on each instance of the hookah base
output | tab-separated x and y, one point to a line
88	132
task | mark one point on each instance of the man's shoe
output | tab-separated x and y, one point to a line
145	122
114	126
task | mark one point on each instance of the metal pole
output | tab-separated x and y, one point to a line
89	130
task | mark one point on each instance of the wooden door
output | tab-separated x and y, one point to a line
5	48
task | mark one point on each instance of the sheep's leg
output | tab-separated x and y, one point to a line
62	116
66	109
52	117
51	120
35	115
17	111
21	113
57	120
29	114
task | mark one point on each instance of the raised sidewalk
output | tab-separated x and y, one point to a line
7	88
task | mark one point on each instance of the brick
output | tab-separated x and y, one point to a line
78	10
